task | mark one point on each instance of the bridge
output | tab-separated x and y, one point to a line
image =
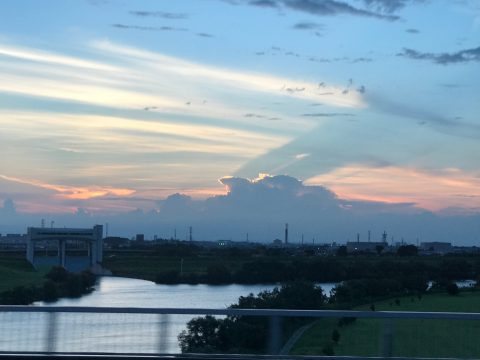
91	238
114	332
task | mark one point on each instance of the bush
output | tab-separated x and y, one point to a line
452	289
218	274
328	350
168	277
335	336
50	291
344	321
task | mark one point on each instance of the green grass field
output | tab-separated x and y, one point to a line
16	271
147	266
421	338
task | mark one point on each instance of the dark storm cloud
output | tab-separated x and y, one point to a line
147	28
322	8
445	58
160	14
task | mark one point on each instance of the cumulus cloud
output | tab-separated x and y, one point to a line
445	58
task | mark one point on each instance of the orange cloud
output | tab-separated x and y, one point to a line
432	190
73	192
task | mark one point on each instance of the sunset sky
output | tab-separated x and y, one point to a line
110	106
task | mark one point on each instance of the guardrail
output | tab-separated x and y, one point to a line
120	330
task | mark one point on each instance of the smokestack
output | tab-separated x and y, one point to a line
368	235
358	237
190	236
286	234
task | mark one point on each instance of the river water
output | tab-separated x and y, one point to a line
127	333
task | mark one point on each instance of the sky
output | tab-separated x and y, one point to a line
237	116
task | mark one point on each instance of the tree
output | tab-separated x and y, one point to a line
407	250
218	274
335	336
50	292
201	335
452	288
342	251
379	249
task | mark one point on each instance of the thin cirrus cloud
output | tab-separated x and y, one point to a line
156	79
432	190
71	192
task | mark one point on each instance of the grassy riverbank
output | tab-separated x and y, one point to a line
147	265
421	338
17	271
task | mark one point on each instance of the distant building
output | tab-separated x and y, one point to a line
13	242
363	246
116	242
277	242
224	243
140	238
436	247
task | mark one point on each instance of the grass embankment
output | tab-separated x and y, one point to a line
421	338
17	271
147	265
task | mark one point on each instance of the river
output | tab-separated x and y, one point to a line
91	333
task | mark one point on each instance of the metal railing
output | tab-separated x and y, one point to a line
120	330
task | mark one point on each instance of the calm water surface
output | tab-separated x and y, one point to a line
125	333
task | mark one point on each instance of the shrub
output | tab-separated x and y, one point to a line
335	336
452	289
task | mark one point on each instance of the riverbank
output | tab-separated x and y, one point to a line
166	265
412	338
22	284
17	271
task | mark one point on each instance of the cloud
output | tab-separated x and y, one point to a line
322	8
461	56
413	31
264	3
433	190
327	114
205	35
390	6
307	26
147	28
261	207
437	121
160	14
8	208
72	192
